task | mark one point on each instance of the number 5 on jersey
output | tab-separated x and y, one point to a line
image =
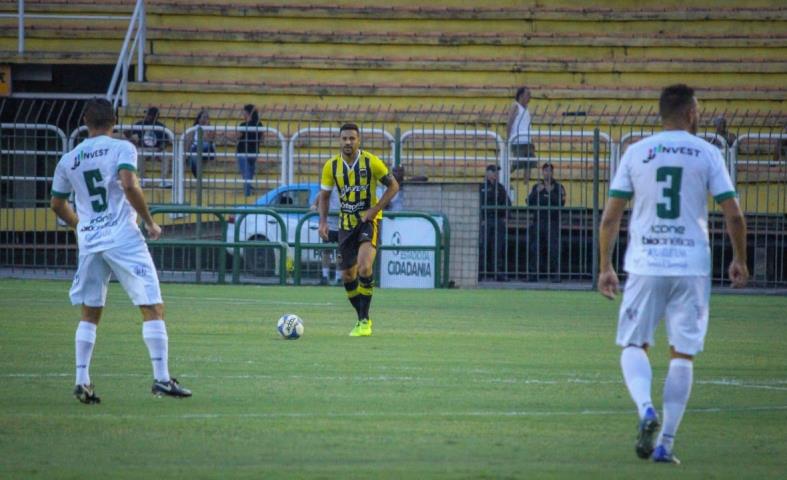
92	179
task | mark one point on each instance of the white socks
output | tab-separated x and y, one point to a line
154	332
638	376
677	388
85	339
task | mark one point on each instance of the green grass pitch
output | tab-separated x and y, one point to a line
492	384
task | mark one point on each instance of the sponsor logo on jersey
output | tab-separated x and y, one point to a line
674	241
661	149
676	229
85	155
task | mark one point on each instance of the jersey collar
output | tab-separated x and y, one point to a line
357	156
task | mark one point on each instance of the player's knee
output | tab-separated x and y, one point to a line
152	312
676	354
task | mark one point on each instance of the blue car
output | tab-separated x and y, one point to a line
264	261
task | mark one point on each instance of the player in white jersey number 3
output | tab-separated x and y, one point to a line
100	172
668	176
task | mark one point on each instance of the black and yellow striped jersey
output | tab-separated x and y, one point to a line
356	183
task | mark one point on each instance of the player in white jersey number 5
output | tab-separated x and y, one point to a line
668	176
100	172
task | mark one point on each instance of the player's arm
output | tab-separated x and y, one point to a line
134	195
63	210
391	189
736	228
608	235
323	200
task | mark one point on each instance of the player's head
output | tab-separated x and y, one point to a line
99	114
251	114
522	96
350	136
679	108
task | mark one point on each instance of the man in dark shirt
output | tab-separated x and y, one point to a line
151	144
545	200
494	199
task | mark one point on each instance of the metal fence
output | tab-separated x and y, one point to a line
199	164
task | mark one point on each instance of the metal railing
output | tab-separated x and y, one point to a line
30	147
117	92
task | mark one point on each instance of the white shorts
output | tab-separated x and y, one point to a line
133	267
682	301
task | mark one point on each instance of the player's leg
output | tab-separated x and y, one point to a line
366	254
135	270
687	323
640	313
90	290
325	261
347	261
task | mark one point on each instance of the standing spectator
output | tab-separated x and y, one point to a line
545	199
248	147
494	199
523	152
397	202
720	123
151	143
208	144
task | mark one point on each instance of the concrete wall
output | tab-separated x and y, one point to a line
461	204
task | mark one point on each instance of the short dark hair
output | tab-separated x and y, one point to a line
675	100
520	91
99	114
349	126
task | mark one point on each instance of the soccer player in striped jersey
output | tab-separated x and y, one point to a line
668	177
355	173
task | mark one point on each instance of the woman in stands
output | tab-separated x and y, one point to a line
248	147
208	145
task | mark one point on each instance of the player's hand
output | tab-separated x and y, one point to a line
154	231
368	216
739	274
323	231
608	283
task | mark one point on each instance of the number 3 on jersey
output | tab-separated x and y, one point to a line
671	208
92	178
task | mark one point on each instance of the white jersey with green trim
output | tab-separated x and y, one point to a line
669	175
90	171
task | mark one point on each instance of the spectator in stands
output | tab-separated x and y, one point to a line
151	143
208	144
720	123
780	152
545	200
248	147
523	152
494	200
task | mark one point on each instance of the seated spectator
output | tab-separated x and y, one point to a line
720	123
151	143
208	145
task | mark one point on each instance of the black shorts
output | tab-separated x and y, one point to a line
350	241
523	155
333	237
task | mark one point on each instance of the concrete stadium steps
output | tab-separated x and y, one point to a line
403	53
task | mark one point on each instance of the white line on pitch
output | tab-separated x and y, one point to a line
515	413
770	384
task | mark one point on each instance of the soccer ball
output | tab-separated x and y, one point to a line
290	326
